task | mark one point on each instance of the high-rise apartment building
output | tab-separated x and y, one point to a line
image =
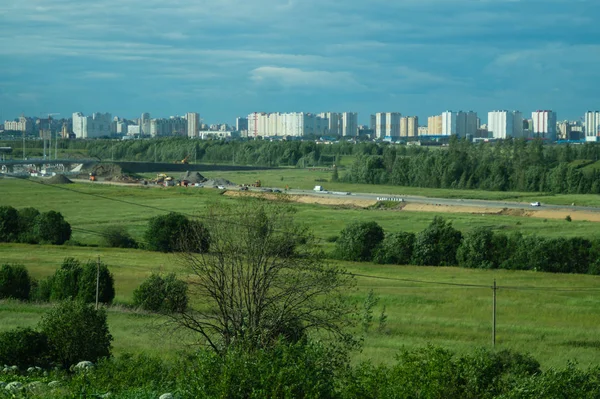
434	125
193	124
592	126
466	124
145	124
503	124
349	125
544	124
241	124
97	125
387	125
409	126
334	122
24	124
296	124
448	123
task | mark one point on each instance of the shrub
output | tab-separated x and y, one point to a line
86	290
568	218
23	347
357	242
9	224
76	332
41	290
158	294
14	282
27	221
118	237
437	244
164	233
52	228
65	282
477	250
396	248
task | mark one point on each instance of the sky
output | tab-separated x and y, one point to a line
228	58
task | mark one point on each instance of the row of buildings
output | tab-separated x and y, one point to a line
383	125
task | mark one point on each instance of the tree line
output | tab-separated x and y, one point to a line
506	165
440	244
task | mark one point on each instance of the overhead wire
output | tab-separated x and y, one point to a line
417	281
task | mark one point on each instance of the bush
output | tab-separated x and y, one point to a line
23	347
164	295
437	244
41	290
65	282
51	228
86	291
357	242
166	232
14	282
477	250
9	224
396	249
27	221
118	237
76	332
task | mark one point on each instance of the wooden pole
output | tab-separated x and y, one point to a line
97	281
494	288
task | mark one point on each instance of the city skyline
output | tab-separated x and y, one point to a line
416	57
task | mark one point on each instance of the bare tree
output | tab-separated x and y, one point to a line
263	278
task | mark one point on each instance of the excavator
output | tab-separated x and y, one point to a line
184	160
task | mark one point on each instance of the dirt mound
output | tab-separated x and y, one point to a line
122	179
192	177
107	170
59	179
219	181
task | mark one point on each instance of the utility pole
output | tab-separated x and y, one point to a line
494	288
97	280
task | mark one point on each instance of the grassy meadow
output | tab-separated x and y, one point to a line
555	324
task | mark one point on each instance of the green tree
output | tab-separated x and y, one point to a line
396	249
65	281
76	332
27	222
9	224
118	237
437	244
166	232
14	282
477	250
158	294
52	228
23	347
86	290
358	241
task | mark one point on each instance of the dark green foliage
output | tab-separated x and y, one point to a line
164	295
23	347
51	228
166	232
358	241
396	249
41	290
87	283
76	332
14	282
65	282
27	222
477	250
9	224
437	244
118	237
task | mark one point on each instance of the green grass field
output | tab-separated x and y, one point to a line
555	324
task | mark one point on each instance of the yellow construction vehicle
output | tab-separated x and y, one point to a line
184	160
256	184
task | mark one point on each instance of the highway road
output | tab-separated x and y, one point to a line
448	201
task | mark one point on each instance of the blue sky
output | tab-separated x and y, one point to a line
227	58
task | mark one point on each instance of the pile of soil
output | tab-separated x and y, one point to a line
192	177
59	179
219	181
122	179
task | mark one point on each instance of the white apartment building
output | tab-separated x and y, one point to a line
387	125
97	125
145	124
448	123
503	124
193	124
22	125
409	126
349	124
544	124
296	124
334	122
592	126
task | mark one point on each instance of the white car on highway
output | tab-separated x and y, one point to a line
535	204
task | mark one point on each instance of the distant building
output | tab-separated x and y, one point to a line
467	124
290	124
349	125
24	124
409	126
387	125
448	123
193	124
241	124
97	125
434	125
503	124
423	131
145	124
592	126
544	124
